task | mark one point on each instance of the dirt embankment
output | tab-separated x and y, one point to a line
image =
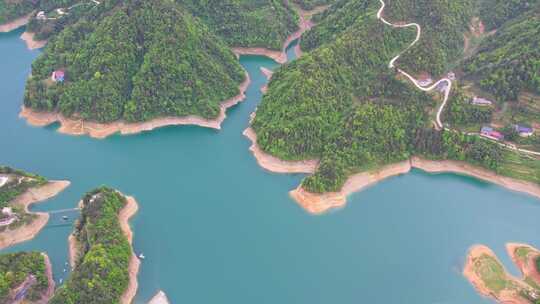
98	130
32	196
32	44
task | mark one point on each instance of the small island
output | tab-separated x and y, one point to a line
19	190
487	274
101	251
25	277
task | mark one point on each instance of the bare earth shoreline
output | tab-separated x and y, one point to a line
320	203
32	44
31	196
15	24
125	214
98	130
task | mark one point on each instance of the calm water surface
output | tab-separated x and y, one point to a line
216	228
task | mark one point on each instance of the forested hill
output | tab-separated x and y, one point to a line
247	23
508	62
340	102
11	10
443	24
495	13
137	61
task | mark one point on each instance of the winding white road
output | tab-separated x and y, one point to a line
448	82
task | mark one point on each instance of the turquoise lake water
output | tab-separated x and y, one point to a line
216	228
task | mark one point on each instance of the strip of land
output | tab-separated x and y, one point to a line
15	24
125	214
98	130
33	195
50	290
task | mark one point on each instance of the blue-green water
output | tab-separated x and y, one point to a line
216	228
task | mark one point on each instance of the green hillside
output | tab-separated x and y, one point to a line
341	104
141	60
321	106
101	271
508	62
246	23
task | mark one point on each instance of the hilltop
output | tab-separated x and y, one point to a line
141	60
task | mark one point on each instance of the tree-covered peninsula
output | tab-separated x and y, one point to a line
138	61
102	252
341	103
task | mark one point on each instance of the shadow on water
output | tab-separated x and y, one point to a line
217	228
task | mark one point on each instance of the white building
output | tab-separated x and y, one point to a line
481	101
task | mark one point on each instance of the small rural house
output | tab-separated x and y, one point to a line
58	76
491	133
524	131
481	101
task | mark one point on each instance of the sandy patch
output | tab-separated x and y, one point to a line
505	296
159	298
31	196
134	264
32	44
97	130
15	24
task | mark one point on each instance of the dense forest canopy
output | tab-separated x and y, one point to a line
341	104
141	60
321	106
508	62
495	13
247	23
101	273
15	268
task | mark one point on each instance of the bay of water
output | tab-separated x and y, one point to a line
217	228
